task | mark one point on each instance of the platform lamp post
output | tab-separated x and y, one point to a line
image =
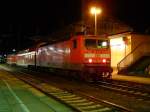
95	11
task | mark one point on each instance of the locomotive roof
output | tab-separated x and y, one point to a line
76	36
95	36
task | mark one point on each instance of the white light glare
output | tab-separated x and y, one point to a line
104	44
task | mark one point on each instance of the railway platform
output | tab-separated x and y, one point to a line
135	78
17	96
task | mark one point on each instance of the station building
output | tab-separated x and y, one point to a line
127	48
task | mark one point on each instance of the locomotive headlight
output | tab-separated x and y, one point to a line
90	60
104	60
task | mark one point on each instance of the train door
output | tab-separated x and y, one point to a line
75	55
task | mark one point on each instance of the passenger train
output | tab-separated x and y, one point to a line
83	56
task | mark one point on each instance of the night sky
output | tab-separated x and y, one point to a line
26	18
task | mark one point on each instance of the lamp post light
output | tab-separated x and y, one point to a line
95	11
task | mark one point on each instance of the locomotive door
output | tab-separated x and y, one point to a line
75	54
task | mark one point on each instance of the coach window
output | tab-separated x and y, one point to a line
74	44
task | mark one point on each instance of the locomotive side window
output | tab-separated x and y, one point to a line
74	44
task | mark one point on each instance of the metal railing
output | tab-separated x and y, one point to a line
142	49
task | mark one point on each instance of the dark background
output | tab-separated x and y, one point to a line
26	18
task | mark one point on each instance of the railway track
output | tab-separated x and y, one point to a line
142	94
131	89
135	92
77	100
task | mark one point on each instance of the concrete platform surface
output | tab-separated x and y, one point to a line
135	78
16	96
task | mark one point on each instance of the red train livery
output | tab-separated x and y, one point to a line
85	56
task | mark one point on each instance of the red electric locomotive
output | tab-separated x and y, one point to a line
83	56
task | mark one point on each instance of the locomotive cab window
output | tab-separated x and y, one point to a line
96	43
90	43
74	44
